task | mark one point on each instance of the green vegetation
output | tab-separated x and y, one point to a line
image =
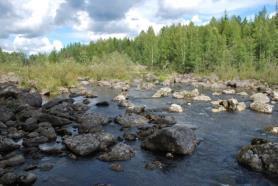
230	47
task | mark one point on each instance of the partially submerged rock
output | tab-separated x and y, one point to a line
176	139
202	98
260	97
119	152
272	130
261	107
229	91
230	105
186	94
175	108
131	120
262	157
166	91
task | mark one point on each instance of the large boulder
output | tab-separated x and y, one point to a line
261	157
261	107
56	101
92	122
119	152
7	144
45	129
32	99
260	97
131	120
86	144
176	139
166	91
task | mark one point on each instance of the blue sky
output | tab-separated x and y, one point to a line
34	26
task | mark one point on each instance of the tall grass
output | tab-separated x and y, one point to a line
51	76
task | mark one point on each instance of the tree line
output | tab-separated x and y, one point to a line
228	41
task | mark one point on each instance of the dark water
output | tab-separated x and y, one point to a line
213	162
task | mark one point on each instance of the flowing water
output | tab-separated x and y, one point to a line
212	163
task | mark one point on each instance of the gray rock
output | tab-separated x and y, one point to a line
52	148
32	99
131	120
84	144
45	129
119	152
7	145
260	97
34	141
92	122
30	125
176	139
12	161
261	107
26	178
5	114
261	157
54	120
8	178
117	167
56	101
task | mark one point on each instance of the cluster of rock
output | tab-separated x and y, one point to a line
230	105
261	155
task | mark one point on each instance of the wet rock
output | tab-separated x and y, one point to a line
52	148
169	155
261	107
46	167
102	104
129	136
14	133
175	139
216	93
26	178
154	165
131	120
54	120
84	144
119	152
92	122
260	157
175	108
230	105
7	145
125	103
258	141
105	139
12	161
117	167
272	130
45	129
161	119
202	98
11	123
241	106
120	97
30	167
229	91
5	114
34	141
260	97
9	178
186	94
166	91
86	101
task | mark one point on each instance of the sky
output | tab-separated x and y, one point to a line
39	26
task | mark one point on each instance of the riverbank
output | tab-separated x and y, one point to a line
106	128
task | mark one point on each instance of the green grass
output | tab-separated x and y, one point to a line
51	76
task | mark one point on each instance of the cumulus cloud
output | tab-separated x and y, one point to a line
28	22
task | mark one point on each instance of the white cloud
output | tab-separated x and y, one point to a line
34	45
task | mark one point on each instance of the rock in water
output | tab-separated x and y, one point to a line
261	107
83	144
202	98
131	120
261	157
176	139
175	108
119	152
260	97
162	92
